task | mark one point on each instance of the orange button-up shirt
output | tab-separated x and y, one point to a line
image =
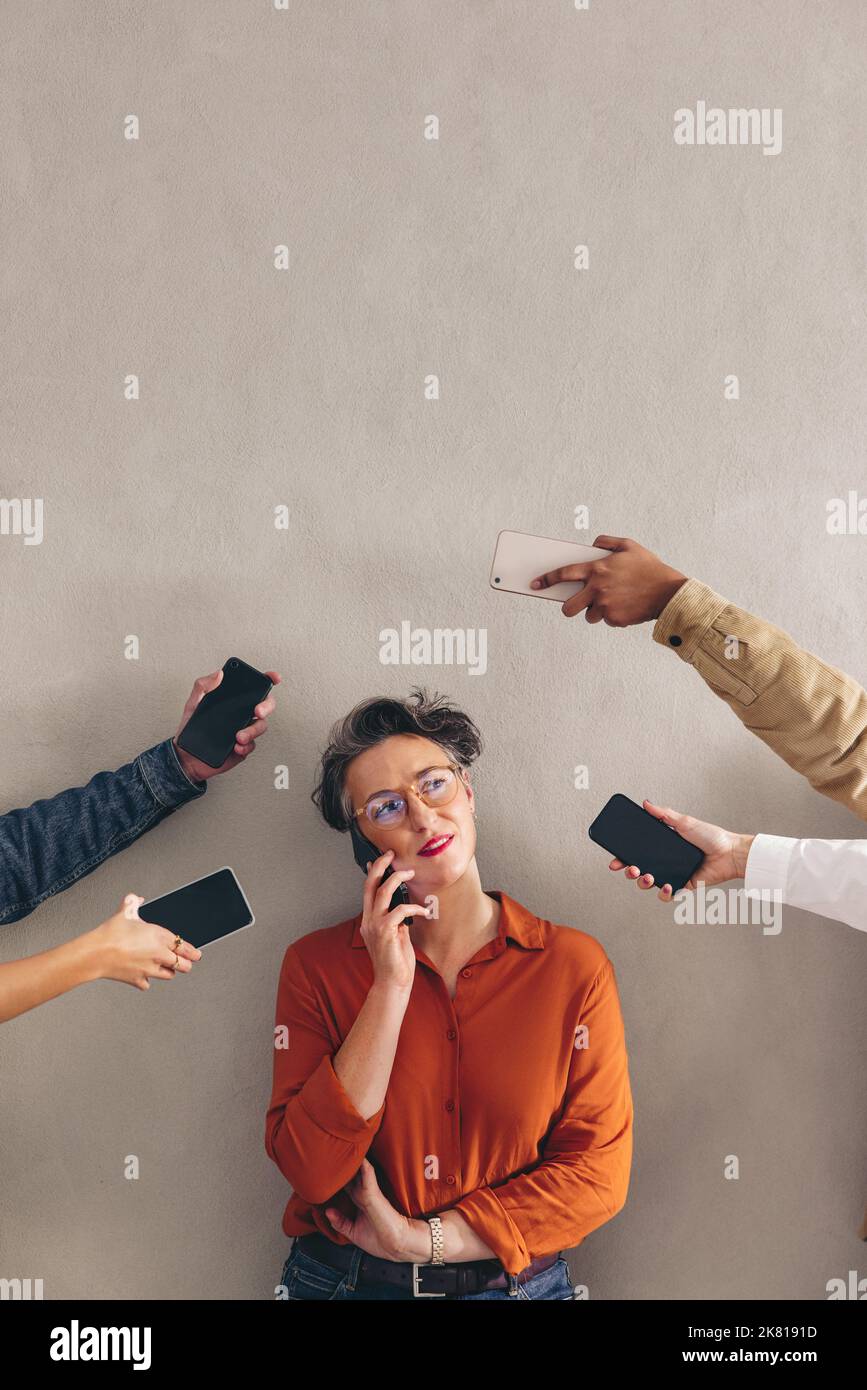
510	1103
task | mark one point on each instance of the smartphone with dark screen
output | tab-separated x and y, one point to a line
365	853
202	911
209	735
633	835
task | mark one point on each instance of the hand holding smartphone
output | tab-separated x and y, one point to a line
519	557
202	911
365	852
634	836
209	734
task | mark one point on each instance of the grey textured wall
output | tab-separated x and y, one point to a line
304	387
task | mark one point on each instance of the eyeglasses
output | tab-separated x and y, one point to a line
436	786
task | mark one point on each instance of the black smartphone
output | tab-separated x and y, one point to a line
365	852
202	911
210	732
632	834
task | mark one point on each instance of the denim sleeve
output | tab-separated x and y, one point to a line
48	846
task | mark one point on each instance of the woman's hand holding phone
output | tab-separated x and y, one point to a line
725	852
127	949
385	936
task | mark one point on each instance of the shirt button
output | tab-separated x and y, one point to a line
452	1034
466	974
450	1105
450	1179
675	641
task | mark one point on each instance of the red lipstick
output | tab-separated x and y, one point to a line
436	845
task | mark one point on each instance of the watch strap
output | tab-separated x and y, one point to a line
437	1242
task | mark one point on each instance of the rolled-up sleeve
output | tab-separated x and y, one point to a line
313	1132
583	1178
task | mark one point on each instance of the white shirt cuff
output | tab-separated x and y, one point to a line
768	863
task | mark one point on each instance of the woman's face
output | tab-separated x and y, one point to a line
391	766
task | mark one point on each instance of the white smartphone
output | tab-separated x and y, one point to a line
205	910
520	557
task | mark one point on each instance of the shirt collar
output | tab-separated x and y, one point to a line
516	923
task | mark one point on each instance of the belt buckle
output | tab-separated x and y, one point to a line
418	1292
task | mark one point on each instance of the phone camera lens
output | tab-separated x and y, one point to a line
232	665
496	579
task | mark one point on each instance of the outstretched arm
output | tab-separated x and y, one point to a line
813	716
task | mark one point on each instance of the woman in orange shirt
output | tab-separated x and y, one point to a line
451	1101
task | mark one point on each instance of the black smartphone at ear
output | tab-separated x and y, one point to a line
633	835
365	853
209	734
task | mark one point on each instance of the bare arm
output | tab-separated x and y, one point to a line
36	979
366	1057
122	948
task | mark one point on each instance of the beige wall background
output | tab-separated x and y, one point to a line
304	387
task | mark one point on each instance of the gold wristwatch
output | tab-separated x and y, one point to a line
436	1235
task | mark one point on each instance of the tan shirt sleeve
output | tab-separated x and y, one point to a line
812	715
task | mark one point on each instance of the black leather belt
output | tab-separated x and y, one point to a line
423	1280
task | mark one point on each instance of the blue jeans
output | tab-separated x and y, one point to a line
306	1278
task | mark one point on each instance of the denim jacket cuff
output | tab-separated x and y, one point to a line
165	778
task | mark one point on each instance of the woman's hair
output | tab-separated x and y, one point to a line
428	716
